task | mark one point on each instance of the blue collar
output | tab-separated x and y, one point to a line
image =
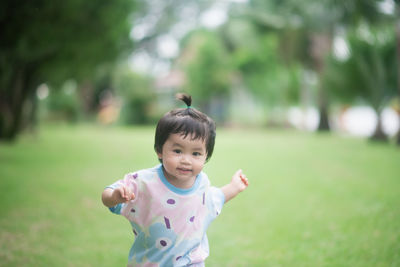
175	189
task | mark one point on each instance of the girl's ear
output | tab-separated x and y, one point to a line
159	155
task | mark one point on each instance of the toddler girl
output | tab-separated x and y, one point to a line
171	205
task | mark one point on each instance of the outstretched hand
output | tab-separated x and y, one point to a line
238	183
122	194
240	180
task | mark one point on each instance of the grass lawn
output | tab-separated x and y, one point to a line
314	200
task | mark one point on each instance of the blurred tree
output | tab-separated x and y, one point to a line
319	20
324	19
208	71
370	72
63	103
51	41
259	66
137	94
163	17
397	15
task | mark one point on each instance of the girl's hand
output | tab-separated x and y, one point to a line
122	194
240	181
112	197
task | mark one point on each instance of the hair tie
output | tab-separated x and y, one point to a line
189	106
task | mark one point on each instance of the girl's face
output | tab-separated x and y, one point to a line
183	159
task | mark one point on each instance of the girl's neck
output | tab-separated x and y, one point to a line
178	183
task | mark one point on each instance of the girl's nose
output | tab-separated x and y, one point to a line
185	158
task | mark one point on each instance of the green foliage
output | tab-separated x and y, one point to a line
63	104
318	15
256	55
53	41
313	200
370	72
318	21
206	65
66	39
137	95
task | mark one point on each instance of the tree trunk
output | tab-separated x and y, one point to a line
397	6
30	112
320	47
12	101
86	93
379	135
323	111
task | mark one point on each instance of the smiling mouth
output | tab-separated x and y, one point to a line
184	170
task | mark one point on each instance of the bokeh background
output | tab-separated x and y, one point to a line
306	96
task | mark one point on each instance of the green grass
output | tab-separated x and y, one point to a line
314	200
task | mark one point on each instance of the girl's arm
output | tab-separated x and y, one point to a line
238	183
112	197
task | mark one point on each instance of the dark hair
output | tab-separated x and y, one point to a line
187	121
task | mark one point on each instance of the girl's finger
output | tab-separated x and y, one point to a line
125	192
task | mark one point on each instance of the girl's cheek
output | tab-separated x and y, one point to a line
201	161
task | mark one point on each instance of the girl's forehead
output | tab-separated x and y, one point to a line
188	140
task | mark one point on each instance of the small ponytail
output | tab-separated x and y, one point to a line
185	98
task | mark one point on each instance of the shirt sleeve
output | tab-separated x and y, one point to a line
218	199
130	181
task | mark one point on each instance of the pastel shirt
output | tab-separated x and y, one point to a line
169	223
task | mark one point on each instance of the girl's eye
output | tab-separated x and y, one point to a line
196	154
177	151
